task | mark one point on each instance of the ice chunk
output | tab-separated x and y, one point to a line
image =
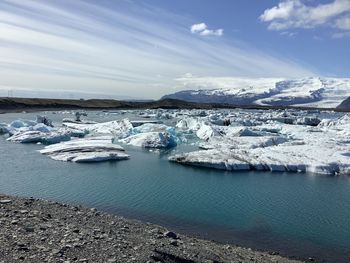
27	137
151	127
189	124
205	132
86	150
323	149
44	120
151	140
93	156
33	136
280	158
41	127
19	124
285	157
55	137
119	129
89	144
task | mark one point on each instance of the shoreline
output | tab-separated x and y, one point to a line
9	104
37	230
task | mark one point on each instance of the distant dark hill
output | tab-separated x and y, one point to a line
35	104
18	104
345	105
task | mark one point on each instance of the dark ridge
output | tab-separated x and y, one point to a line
344	106
33	104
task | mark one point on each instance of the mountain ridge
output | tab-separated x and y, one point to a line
319	92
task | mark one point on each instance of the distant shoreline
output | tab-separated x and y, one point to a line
9	104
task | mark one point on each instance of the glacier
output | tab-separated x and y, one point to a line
319	92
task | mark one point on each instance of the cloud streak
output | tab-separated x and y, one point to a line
118	48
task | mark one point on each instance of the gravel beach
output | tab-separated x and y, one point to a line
33	230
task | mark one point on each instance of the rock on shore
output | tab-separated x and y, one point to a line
35	230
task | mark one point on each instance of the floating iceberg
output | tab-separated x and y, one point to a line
86	150
152	127
27	137
119	129
324	149
293	158
35	136
151	140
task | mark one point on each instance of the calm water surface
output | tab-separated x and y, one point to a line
297	215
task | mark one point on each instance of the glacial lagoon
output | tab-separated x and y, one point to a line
296	214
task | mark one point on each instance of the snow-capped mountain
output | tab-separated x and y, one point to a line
313	91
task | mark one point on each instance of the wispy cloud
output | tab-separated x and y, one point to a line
202	29
343	23
117	48
292	14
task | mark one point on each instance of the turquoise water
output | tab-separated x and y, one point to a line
297	215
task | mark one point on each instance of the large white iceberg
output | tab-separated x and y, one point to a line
119	129
324	149
292	158
86	150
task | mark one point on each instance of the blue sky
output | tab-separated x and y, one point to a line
147	48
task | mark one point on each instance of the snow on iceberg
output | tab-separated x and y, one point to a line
151	140
294	158
119	129
324	149
152	127
86	150
36	136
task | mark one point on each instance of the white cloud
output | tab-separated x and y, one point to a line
343	23
234	85
196	28
202	29
290	14
114	47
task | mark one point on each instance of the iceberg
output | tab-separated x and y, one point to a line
44	120
119	129
37	136
151	140
152	127
86	150
275	146
27	137
205	132
292	158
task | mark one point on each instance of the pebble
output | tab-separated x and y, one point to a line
5	201
170	234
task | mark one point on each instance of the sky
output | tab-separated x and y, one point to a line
147	48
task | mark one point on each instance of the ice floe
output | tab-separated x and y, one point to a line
86	150
262	140
323	149
151	140
119	129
